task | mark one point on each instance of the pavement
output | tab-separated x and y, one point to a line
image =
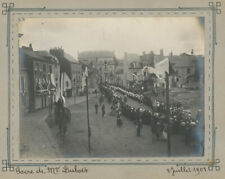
107	140
36	138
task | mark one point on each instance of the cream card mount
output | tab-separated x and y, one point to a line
16	17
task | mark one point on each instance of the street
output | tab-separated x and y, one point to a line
107	140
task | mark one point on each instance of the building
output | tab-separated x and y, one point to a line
76	77
183	66
135	72
155	76
131	67
189	69
147	59
75	72
39	73
72	68
150	59
101	64
66	84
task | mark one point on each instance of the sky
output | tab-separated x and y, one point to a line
123	34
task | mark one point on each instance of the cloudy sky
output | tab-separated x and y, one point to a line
132	35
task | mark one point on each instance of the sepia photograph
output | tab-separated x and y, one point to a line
111	87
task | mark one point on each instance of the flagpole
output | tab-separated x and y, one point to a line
168	115
88	123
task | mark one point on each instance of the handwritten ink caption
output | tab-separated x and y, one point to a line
196	170
51	170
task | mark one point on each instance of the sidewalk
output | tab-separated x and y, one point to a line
36	140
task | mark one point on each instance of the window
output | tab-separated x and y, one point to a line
37	66
22	84
67	84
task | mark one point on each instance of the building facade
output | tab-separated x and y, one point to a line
185	67
39	72
72	68
76	77
101	64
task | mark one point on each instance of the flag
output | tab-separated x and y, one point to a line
83	82
58	90
86	72
52	78
84	76
62	84
162	67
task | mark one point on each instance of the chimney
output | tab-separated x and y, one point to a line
30	46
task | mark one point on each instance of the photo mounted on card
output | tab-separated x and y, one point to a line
131	86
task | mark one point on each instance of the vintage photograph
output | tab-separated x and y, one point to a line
111	87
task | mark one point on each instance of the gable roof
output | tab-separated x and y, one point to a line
158	58
70	58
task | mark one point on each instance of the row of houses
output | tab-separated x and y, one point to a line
40	79
101	64
185	70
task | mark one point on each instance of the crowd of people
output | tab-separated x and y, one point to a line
135	96
181	121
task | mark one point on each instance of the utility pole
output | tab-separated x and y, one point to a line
88	122
168	114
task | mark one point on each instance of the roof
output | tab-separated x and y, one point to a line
184	60
46	55
29	52
158	58
96	54
39	55
70	57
